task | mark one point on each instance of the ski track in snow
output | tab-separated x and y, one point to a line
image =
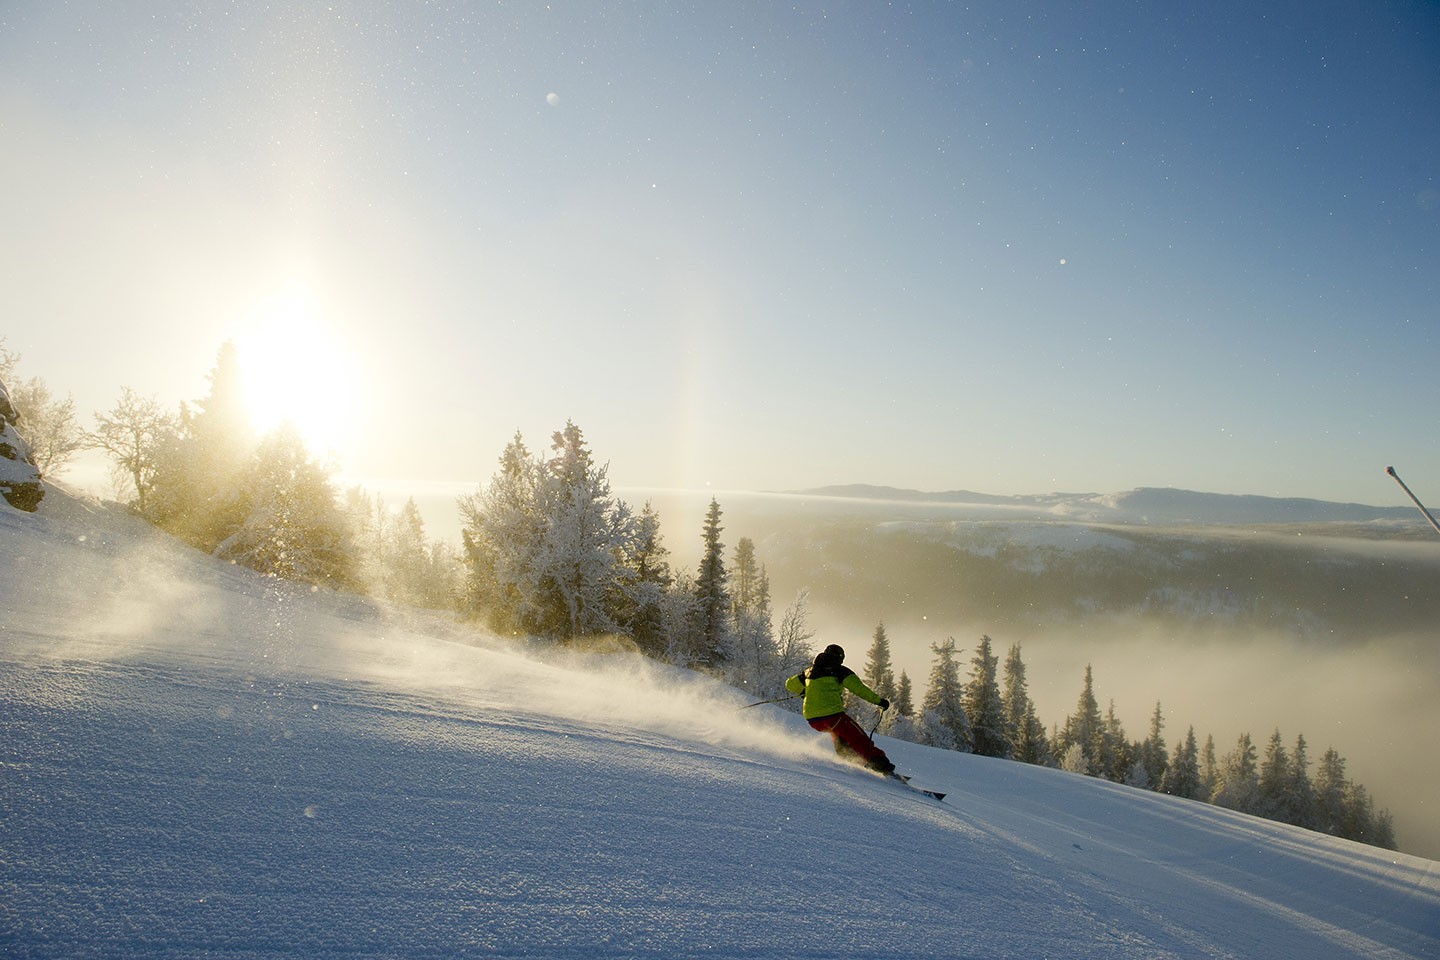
196	763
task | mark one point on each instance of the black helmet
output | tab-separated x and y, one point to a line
831	654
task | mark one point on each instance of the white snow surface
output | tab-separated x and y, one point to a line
198	762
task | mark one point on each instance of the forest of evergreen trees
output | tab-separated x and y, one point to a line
549	552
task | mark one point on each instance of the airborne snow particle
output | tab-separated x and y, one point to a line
552	98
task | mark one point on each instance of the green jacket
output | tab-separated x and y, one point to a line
824	690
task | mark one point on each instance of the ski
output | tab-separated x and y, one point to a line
906	782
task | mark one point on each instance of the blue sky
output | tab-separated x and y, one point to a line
1008	247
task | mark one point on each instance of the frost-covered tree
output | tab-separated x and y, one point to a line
713	631
546	541
1361	822
1274	800
1302	790
51	431
1344	808
792	641
50	426
1116	752
1182	776
1085	728
1015	693
682	621
879	668
292	526
1209	770
641	610
753	662
195	492
131	434
503	527
407	567
1029	743
588	535
1238	787
880	675
1331	786
984	706
904	696
1151	757
1072	760
942	722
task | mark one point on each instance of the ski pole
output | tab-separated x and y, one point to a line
776	700
879	715
1428	515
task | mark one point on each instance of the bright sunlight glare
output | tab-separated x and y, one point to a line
296	369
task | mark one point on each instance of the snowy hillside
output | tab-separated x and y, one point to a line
197	762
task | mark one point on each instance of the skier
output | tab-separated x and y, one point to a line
824	685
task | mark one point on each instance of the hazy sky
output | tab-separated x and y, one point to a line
1009	247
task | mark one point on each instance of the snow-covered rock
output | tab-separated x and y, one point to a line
19	478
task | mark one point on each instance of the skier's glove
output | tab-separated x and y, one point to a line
883	704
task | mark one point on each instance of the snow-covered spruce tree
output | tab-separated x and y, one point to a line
1302	791
1151	758
1330	788
1238	787
1362	823
1273	799
880	675
131	434
942	722
196	492
904	696
1072	760
1116	751
589	534
1344	808
879	668
713	628
681	621
1029	744
545	542
1086	729
753	664
1359	822
984	706
1209	771
1182	777
502	529
292	526
642	598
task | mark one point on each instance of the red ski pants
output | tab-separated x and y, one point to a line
847	733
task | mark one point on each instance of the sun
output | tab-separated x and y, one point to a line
296	369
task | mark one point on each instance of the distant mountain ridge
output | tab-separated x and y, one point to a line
1141	505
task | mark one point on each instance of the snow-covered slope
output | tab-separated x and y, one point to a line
196	762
